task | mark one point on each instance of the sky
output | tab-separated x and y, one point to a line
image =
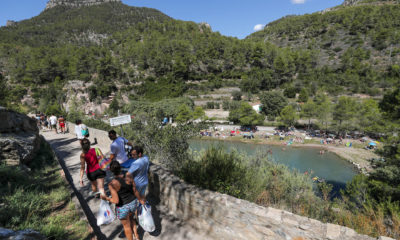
236	18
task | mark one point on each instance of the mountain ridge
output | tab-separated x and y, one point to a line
76	3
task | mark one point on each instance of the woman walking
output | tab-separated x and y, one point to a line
125	195
93	171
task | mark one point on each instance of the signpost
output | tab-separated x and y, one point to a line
118	121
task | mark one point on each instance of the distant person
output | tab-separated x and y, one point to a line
78	131
53	122
46	123
139	169
84	130
61	122
118	151
93	171
125	196
165	121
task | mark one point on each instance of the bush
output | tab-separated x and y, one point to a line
236	95
217	171
167	145
210	105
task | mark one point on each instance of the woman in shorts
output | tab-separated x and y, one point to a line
93	171
61	122
125	195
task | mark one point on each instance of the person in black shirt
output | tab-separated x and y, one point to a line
126	197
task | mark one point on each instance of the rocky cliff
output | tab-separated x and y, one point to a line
76	3
350	2
19	138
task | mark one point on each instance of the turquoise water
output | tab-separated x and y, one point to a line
328	166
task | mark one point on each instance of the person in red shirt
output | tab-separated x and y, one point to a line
61	122
93	171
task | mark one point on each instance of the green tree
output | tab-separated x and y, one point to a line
3	92
323	108
290	92
184	114
289	115
308	110
369	117
114	106
250	84
344	110
245	115
199	113
390	104
304	95
236	95
272	103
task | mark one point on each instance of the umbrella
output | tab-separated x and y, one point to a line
372	144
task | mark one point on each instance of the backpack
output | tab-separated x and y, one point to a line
84	130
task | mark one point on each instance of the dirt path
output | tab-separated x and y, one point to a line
68	151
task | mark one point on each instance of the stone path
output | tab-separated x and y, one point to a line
68	151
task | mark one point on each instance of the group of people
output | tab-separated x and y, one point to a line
128	187
50	123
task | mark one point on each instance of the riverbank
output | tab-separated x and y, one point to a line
359	157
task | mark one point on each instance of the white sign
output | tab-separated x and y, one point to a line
120	120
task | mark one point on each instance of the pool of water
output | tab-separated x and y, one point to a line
328	166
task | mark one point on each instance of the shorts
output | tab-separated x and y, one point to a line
127	163
122	212
92	176
54	125
142	189
62	125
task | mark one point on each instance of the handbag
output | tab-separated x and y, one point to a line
104	162
145	219
105	214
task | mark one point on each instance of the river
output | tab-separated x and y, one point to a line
328	166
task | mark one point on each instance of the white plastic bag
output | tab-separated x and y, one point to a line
105	215
145	219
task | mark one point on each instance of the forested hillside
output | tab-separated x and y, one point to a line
142	53
358	39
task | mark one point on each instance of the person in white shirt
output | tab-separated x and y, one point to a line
78	130
53	122
118	151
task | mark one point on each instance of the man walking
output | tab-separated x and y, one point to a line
139	169
118	152
53	122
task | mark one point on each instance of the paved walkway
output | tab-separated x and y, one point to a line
68	151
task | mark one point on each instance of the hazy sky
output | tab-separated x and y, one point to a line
236	18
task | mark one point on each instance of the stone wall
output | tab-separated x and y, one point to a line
226	217
220	216
19	138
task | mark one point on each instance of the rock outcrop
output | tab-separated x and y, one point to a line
76	3
8	234
10	23
19	138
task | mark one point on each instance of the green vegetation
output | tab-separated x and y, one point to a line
153	60
245	115
145	54
39	200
